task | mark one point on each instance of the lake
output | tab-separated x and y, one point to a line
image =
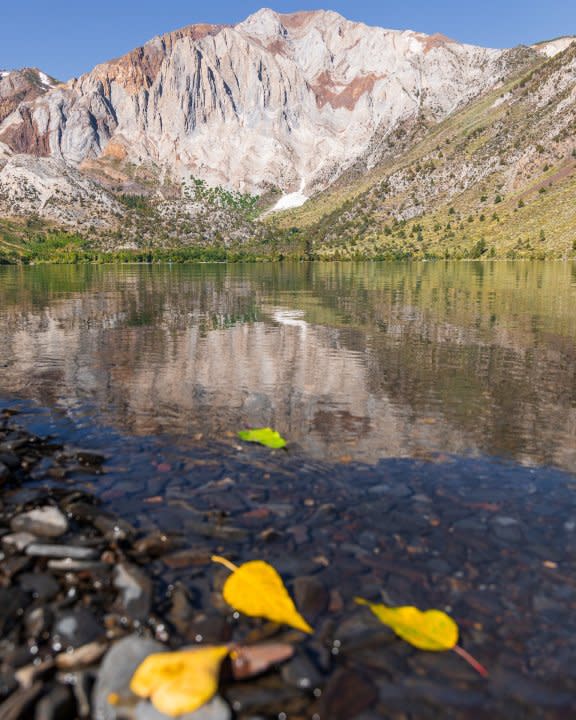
358	360
430	413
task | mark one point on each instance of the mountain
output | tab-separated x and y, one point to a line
497	177
387	143
18	86
300	95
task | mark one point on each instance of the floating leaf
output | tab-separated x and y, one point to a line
431	630
265	436
248	661
257	590
180	682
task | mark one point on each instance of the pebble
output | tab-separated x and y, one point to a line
135	591
46	522
58	703
116	671
514	602
300	672
74	628
68	565
13	602
82	656
5	473
312	597
61	551
216	709
347	694
19	541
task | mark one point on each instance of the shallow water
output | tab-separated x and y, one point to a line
414	378
361	361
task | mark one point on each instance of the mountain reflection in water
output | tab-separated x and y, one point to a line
365	360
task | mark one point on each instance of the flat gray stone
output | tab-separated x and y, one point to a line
61	551
216	709
116	671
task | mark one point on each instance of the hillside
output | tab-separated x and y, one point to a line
496	178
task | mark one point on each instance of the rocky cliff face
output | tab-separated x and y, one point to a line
279	100
17	86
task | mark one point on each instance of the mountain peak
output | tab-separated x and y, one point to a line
302	94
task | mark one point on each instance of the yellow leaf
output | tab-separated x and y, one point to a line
180	682
257	590
431	630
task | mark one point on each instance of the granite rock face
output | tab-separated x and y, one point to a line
291	99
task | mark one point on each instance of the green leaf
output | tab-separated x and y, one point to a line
265	436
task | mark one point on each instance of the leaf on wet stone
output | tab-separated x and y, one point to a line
264	436
256	589
180	682
432	630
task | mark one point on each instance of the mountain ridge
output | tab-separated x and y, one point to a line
286	107
301	93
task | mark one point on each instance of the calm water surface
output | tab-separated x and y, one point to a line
362	360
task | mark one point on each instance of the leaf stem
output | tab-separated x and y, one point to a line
223	561
471	661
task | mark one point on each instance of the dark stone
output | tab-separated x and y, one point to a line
112	527
8	683
41	585
347	694
181	611
58	704
208	627
13	602
257	699
10	460
219	532
311	597
90	458
74	628
300	672
155	545
5	473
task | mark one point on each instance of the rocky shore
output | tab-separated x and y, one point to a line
87	590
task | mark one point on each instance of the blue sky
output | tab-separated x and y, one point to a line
68	37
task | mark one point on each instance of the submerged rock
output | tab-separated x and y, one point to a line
116	672
216	709
135	591
74	628
46	522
